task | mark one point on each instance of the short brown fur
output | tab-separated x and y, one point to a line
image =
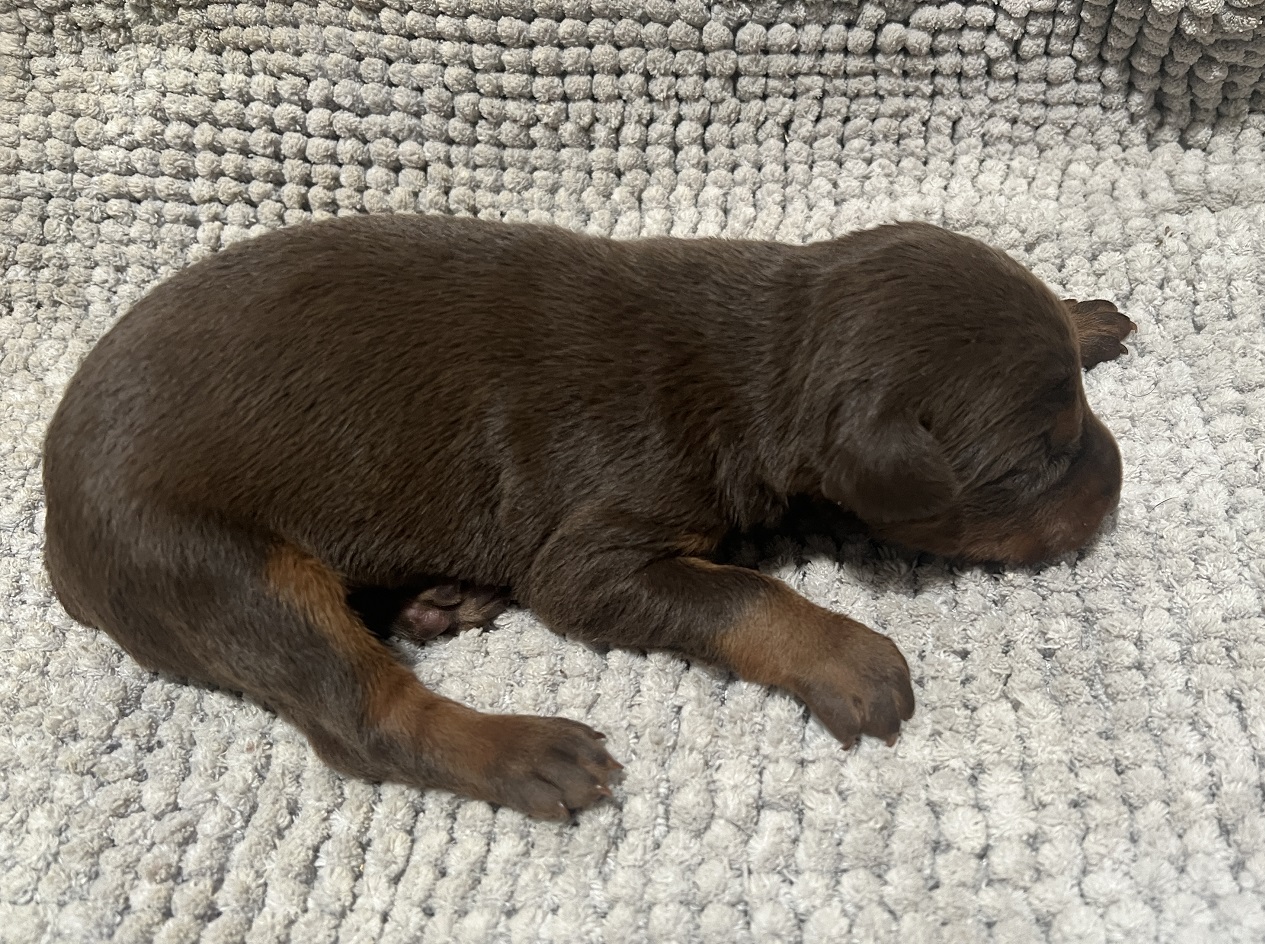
447	414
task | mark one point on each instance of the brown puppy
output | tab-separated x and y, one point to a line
479	409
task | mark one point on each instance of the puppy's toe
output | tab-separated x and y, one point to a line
550	768
480	608
420	621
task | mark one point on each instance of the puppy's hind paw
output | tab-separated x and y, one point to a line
447	607
548	768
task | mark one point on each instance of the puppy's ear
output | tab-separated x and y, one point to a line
888	470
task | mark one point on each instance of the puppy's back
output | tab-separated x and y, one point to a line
399	393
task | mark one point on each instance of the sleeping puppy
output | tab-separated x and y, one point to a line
459	411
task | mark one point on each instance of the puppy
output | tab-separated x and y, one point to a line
459	411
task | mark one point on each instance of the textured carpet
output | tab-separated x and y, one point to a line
1086	761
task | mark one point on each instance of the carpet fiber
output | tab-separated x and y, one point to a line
1086	761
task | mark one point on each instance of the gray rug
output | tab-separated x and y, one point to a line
1086	761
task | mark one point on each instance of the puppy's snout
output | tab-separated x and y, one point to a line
1066	517
1092	494
1109	470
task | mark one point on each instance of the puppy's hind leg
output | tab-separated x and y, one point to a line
389	727
264	618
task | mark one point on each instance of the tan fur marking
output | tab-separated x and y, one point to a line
315	591
692	545
397	702
780	638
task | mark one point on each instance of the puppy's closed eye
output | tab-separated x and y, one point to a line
1034	471
1039	466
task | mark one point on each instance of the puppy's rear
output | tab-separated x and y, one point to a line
268	429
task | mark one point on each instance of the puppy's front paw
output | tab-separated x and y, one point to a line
860	686
545	767
1101	328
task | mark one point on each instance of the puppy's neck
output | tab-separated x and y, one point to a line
746	362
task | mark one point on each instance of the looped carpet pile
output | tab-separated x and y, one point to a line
1086	761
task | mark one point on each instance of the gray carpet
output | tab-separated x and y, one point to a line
1086	761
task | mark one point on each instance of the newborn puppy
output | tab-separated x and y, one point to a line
480	409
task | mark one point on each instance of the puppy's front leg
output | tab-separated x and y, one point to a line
612	580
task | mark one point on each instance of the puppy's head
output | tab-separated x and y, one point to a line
959	424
